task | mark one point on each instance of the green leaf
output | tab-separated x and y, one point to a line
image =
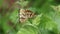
36	21
48	26
28	30
14	16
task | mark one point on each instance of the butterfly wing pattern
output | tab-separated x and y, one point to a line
25	14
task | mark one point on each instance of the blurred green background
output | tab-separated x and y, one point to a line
47	20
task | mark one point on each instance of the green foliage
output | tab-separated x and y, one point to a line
1	2
28	30
46	21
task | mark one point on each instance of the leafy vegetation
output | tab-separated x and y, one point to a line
45	21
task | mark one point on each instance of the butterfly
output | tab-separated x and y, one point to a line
25	14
